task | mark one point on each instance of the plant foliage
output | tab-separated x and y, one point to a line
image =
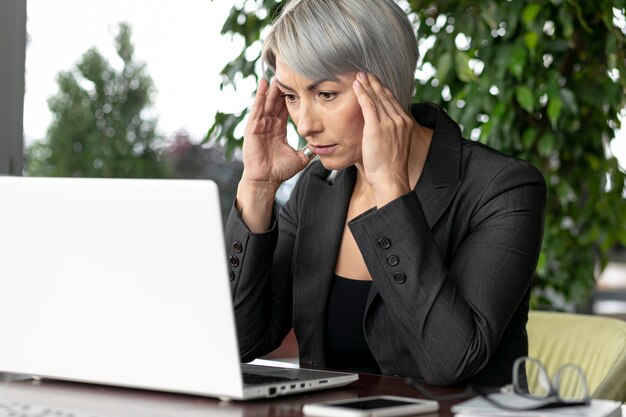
100	127
541	80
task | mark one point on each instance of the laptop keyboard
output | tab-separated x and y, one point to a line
256	379
17	409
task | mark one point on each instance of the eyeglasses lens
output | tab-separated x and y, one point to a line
570	384
539	385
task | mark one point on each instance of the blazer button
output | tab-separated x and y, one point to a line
384	243
393	260
231	275
233	261
399	277
237	247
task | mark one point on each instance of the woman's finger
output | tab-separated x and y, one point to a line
385	97
374	95
368	107
274	103
284	113
406	118
259	100
394	101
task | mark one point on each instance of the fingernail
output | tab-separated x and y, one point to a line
361	75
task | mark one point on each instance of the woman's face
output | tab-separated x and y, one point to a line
326	113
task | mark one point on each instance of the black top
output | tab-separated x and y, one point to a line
346	346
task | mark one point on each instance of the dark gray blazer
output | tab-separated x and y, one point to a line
451	264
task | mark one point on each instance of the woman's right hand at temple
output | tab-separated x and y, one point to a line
268	159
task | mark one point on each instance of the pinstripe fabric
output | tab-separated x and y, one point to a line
451	307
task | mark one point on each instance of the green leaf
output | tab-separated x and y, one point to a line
569	100
580	16
488	18
555	105
525	98
224	126
567	22
463	70
529	137
531	39
443	66
530	13
517	62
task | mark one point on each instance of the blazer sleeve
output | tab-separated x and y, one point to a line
453	312
261	283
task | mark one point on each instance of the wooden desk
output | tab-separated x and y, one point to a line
95	400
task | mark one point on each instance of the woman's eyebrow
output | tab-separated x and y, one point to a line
285	86
308	87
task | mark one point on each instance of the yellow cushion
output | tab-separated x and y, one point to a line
596	344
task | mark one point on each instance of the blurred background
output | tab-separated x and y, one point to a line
128	89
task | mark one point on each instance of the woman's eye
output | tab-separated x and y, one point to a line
326	96
289	98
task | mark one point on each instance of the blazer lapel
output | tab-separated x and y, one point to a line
435	200
441	176
317	249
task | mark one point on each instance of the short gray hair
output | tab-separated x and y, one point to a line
322	39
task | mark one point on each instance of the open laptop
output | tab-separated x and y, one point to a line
124	282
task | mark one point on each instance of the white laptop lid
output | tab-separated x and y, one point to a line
74	254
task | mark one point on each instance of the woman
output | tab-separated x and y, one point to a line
405	249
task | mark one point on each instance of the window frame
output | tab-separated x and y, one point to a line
12	75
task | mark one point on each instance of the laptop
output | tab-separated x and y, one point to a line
124	282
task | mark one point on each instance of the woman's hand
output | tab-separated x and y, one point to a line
387	134
268	160
267	157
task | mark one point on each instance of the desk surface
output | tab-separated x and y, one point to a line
95	400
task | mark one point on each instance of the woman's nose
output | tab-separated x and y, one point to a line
308	121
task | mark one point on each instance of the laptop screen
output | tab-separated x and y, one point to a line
115	281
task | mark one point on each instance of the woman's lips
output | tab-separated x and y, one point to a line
323	150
